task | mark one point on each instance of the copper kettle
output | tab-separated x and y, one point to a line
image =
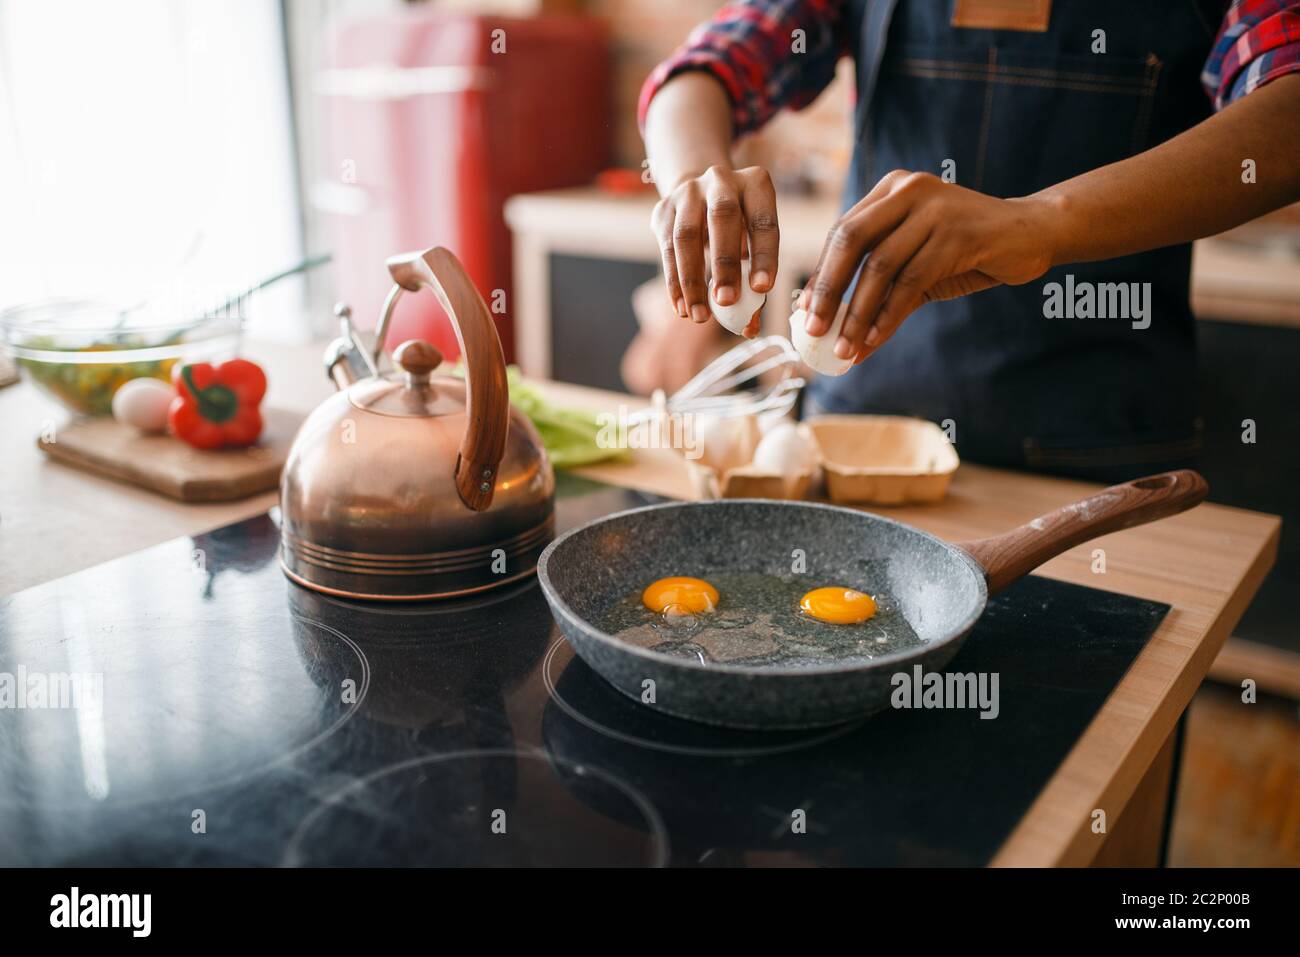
411	485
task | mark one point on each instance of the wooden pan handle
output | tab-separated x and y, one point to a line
1007	557
487	396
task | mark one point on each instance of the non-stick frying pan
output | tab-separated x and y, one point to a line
940	588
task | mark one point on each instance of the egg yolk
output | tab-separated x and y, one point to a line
838	606
693	595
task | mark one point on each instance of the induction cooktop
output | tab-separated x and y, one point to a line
188	705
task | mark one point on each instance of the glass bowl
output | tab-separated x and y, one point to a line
80	351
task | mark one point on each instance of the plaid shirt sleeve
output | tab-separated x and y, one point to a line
1259	41
753	49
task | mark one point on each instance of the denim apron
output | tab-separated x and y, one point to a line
1016	112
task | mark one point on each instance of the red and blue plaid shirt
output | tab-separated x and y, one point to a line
747	47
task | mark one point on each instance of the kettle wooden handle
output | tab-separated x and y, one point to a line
487	395
1007	557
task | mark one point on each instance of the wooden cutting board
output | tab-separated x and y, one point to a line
165	464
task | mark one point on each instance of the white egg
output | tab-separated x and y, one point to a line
725	442
711	436
143	404
819	351
784	450
735	318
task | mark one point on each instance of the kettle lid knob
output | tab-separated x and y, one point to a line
417	358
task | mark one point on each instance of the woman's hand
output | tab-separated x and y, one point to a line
730	213
917	239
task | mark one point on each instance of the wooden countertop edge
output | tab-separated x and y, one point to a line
1064	807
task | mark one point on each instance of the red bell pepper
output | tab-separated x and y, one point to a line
217	406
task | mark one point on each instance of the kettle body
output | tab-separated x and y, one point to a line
412	485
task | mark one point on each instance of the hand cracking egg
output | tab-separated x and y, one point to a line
680	595
838	605
819	351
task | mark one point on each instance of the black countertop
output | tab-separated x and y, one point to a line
244	720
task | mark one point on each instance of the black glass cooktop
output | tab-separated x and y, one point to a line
187	705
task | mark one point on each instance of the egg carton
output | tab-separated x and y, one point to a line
883	459
726	467
859	459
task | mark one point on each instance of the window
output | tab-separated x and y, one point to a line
146	150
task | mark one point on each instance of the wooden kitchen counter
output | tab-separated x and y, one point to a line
1206	564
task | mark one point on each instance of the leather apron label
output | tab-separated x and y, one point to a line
1029	16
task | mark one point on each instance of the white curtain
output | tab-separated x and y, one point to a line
146	149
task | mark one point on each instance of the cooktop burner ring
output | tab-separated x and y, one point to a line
294	854
226	779
363	688
814	737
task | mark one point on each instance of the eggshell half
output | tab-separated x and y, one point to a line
818	351
736	317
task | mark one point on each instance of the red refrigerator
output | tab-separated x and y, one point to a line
432	121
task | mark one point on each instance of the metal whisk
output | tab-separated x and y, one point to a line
720	387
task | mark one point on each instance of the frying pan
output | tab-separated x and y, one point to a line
940	588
